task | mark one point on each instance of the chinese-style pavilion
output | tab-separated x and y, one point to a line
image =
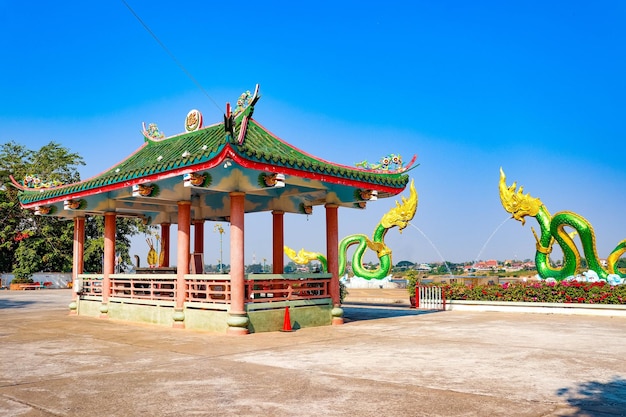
215	173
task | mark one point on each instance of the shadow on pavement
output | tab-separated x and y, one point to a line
15	303
593	398
369	311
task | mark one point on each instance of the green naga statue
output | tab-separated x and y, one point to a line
399	217
553	230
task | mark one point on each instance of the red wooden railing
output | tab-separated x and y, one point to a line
206	290
89	285
144	287
263	288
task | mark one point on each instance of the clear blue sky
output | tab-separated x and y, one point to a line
535	87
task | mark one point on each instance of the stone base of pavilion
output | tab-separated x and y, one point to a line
152	299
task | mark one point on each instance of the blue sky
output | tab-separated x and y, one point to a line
535	87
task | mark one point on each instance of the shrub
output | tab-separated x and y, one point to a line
22	276
22	280
343	291
542	292
411	281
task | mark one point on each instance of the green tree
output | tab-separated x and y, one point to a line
30	243
13	223
94	241
445	268
290	268
49	249
254	269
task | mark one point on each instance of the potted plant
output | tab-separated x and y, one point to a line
20	280
412	279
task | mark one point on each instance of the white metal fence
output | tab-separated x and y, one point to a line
430	297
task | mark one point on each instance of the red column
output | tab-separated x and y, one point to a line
109	260
165	244
77	257
80	247
332	256
182	264
198	236
238	320
278	241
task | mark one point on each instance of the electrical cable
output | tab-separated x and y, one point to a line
180	65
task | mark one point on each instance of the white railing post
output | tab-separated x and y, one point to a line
430	298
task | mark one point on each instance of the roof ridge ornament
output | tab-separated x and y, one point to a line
245	107
152	132
229	123
385	163
33	181
242	130
193	121
246	100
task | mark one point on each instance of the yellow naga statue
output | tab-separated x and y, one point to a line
553	230
399	217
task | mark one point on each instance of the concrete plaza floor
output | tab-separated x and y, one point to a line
386	360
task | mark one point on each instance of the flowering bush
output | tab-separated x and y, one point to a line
542	292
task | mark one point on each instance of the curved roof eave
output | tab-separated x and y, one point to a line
208	147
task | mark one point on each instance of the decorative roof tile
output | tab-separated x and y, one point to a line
206	146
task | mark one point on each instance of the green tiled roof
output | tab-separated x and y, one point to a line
260	146
152	158
194	148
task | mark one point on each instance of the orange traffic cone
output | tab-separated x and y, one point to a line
287	322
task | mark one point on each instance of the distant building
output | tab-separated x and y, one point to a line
490	265
424	267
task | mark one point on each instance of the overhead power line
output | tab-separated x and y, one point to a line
180	65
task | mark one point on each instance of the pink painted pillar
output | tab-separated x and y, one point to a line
77	257
109	260
238	319
332	256
80	246
182	264
165	244
198	236
278	241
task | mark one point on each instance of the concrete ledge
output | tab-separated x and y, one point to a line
303	313
301	317
542	308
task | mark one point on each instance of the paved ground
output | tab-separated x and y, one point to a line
385	361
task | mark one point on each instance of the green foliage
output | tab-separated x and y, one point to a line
22	280
560	292
254	269
48	249
94	241
445	268
11	227
30	243
412	279
343	291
